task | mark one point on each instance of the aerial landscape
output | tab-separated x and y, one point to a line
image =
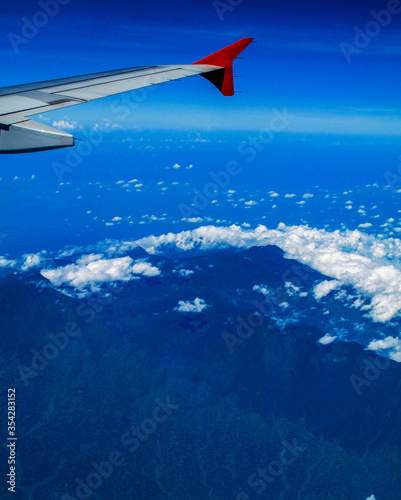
200	287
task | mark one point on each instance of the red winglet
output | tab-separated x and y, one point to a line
223	79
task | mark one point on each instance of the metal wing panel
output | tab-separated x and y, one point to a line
10	104
17	103
72	79
99	89
100	79
12	118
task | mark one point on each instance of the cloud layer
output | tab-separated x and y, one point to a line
369	264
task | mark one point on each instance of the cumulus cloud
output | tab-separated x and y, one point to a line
31	260
324	288
146	269
262	289
193	220
390	344
184	272
91	271
107	126
87	259
197	306
387	343
369	264
6	262
65	125
327	339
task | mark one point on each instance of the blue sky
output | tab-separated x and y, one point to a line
343	131
297	63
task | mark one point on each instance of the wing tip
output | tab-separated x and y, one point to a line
224	58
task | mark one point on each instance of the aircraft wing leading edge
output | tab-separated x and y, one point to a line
19	134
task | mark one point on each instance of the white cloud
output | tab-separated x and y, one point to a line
184	272
369	264
327	339
87	259
390	344
193	220
31	260
307	195
107	126
90	271
197	306
291	288
261	289
365	225
145	269
65	125
6	262
324	288
372	497
387	343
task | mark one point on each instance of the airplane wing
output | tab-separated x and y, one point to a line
19	134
